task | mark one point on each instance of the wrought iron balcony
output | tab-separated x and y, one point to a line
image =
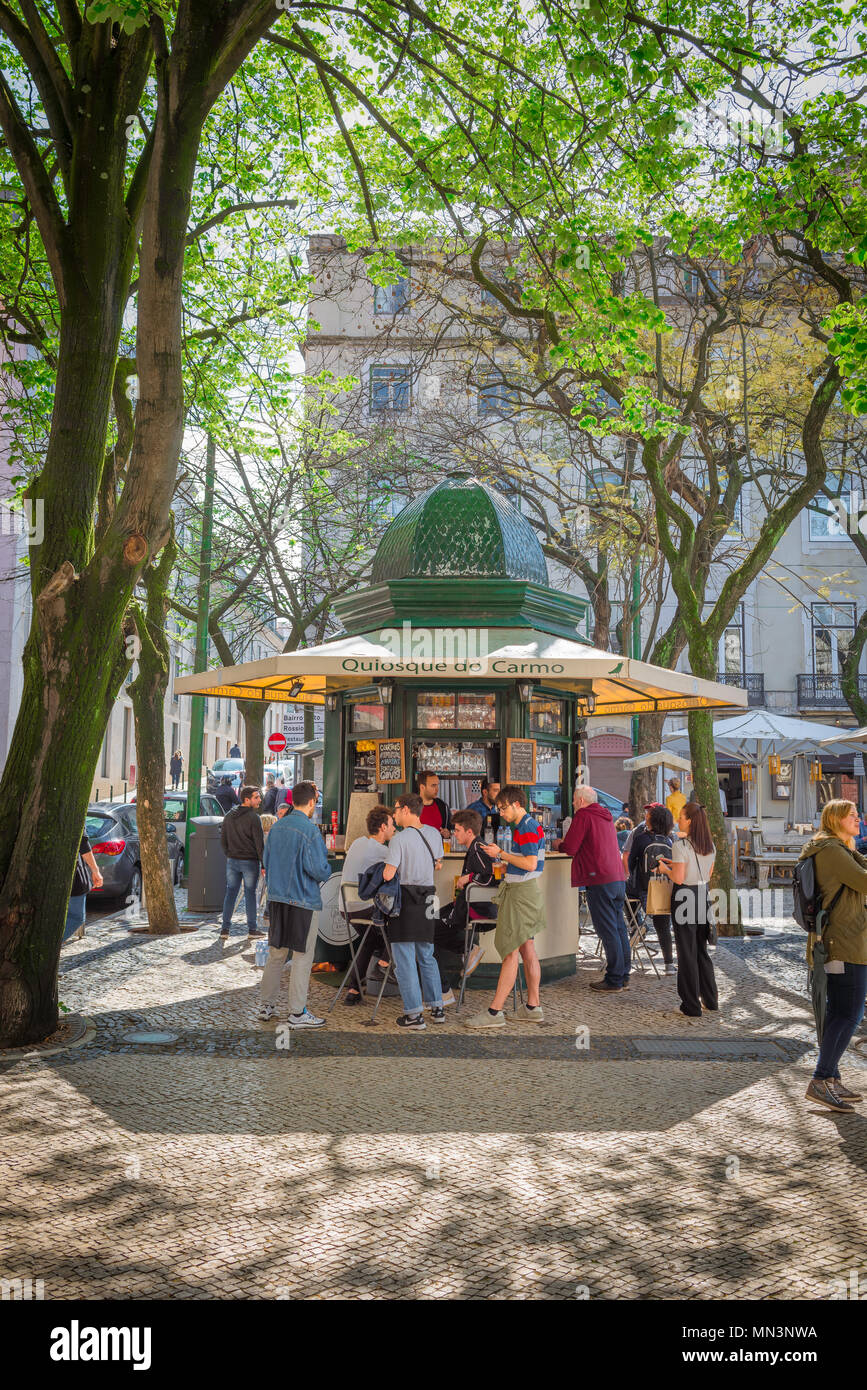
825	692
753	682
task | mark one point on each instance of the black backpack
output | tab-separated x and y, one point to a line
807	897
656	850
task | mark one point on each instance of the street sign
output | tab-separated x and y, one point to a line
277	742
859	764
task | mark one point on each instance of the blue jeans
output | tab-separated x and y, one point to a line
605	902
237	869
75	914
845	1011
412	958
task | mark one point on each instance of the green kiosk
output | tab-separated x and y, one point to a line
459	658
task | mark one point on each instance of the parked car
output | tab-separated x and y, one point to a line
233	768
113	833
176	817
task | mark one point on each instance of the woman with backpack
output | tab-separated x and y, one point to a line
650	843
690	868
841	922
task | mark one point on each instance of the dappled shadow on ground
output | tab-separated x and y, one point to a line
727	1204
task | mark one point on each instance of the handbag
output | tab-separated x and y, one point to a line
658	897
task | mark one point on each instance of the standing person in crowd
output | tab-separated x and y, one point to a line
262	888
226	795
841	884
269	801
296	864
449	932
520	911
84	880
591	840
675	799
486	806
415	853
176	767
650	842
623	827
283	809
243	844
689	868
434	811
362	854
234	751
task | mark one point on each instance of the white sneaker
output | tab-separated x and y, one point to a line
305	1020
266	1012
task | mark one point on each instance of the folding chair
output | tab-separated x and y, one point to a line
477	895
636	920
353	925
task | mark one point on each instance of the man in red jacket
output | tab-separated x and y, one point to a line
597	867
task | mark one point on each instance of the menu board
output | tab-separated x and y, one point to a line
521	761
390	760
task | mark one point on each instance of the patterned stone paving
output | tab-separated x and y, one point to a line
652	1163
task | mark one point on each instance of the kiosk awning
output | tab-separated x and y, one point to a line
620	684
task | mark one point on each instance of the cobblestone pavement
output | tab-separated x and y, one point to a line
661	1161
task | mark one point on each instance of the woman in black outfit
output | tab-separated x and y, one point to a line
655	831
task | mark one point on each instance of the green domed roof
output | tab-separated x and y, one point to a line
460	528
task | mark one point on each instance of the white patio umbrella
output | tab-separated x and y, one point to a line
751	737
802	798
850	736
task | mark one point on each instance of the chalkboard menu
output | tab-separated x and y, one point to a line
521	761
390	760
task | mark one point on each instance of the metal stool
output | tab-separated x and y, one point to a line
353	924
636	918
477	895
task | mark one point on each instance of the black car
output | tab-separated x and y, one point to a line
112	829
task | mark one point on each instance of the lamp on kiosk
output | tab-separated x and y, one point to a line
815	770
386	690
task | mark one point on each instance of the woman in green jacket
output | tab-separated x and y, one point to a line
840	870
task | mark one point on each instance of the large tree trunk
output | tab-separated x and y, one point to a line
849	673
74	662
148	692
703	756
253	713
642	783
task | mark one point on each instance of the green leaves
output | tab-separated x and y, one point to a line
129	14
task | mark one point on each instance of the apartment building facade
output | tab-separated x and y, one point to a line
427	370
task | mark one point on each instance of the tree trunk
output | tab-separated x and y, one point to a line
703	756
642	783
148	692
849	673
74	662
253	712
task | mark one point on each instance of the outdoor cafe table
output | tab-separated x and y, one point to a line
765	863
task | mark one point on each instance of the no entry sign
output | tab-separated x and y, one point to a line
277	742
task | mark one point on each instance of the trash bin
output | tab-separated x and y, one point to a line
206	874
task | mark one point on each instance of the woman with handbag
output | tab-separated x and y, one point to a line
650	843
690	868
841	923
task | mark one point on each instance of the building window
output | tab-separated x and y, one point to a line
833	626
390	388
690	283
391	299
733	646
174	675
367	719
496	397
546	717
823	517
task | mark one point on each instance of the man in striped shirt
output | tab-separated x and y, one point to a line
521	912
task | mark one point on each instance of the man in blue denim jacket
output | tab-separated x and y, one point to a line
295	865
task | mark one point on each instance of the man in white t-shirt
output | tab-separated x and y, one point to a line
362	854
